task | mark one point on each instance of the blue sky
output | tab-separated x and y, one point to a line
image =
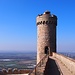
18	24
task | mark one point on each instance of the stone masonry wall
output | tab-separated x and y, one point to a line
68	62
46	34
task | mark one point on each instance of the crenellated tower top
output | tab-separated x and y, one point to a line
47	18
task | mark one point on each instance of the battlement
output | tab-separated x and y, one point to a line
46	18
46	13
14	71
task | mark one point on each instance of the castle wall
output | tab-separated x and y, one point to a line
68	62
14	71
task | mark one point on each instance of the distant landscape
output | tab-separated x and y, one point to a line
68	54
17	60
22	60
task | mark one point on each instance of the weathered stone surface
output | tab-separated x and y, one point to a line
46	34
68	62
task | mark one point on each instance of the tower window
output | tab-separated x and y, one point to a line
46	50
46	22
43	22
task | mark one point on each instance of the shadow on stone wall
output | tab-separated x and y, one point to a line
51	68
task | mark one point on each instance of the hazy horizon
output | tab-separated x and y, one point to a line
34	51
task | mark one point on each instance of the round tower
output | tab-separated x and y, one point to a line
46	34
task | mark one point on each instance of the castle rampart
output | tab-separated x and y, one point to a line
68	62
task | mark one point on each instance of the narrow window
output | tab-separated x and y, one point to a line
46	22
46	50
43	22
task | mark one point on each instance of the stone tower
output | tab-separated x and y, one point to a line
46	34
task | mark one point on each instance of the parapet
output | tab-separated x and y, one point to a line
68	62
46	18
47	12
14	71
